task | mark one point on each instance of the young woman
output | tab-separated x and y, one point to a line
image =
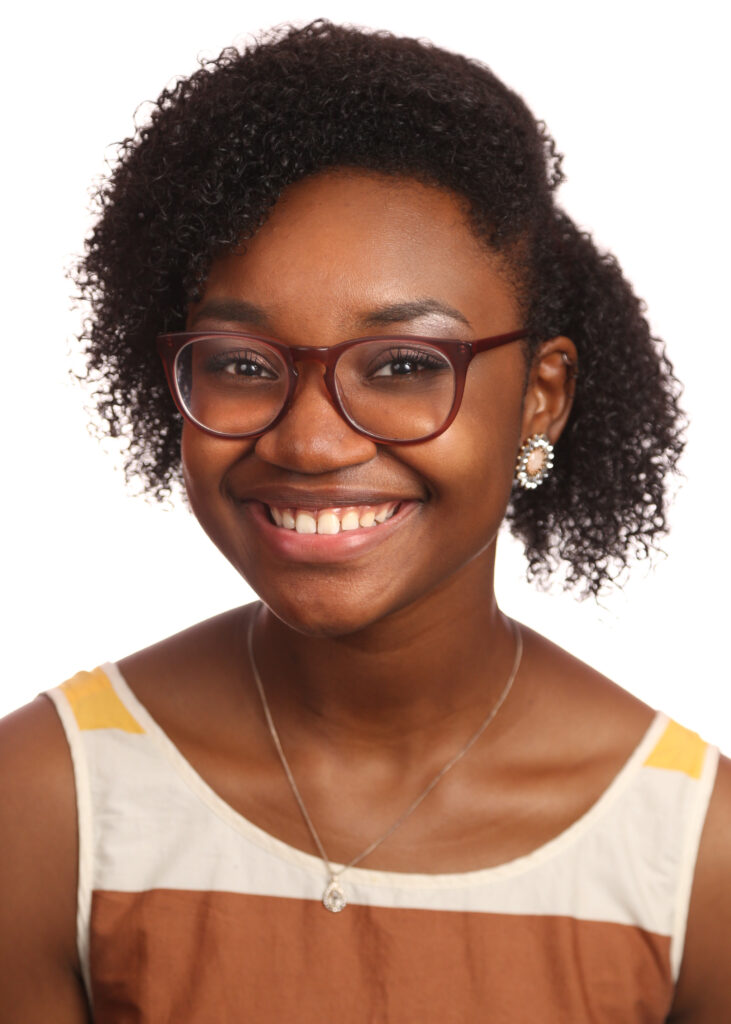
331	292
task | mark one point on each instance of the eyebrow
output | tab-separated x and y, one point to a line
240	311
232	309
398	312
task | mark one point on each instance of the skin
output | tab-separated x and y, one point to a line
355	670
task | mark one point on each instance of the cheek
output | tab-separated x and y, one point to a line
470	474
196	466
206	462
481	445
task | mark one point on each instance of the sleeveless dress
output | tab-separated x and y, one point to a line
189	914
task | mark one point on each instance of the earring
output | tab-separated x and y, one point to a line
535	462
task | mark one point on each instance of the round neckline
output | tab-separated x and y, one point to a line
369	876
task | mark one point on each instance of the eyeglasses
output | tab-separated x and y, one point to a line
396	390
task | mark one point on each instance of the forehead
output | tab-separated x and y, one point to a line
344	241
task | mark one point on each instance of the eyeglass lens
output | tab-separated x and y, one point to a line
394	388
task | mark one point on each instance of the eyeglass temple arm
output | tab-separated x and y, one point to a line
484	344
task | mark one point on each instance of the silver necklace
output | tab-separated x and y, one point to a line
333	897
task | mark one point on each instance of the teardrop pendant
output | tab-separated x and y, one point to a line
333	899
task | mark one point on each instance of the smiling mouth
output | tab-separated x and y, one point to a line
334	520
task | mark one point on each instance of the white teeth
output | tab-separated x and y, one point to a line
328	522
305	523
350	521
331	521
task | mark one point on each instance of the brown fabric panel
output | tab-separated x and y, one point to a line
197	957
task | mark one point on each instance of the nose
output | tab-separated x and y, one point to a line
313	437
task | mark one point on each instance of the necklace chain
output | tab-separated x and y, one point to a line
333	897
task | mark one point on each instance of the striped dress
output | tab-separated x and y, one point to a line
187	912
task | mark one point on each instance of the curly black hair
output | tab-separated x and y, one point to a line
220	147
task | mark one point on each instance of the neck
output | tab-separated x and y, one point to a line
432	665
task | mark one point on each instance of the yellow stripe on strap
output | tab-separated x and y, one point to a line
679	750
95	704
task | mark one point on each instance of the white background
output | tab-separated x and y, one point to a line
636	97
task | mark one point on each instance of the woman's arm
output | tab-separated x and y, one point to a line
704	987
39	968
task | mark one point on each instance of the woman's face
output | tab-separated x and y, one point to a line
346	255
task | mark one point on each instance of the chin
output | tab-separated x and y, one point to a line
337	610
320	622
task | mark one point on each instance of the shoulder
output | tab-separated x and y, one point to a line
704	987
576	708
37	796
603	721
39	968
186	681
208	644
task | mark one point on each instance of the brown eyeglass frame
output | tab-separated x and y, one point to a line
459	354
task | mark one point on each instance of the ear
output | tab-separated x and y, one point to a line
550	391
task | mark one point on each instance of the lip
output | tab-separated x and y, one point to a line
314	500
323	548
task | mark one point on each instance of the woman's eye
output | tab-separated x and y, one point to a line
404	363
242	364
